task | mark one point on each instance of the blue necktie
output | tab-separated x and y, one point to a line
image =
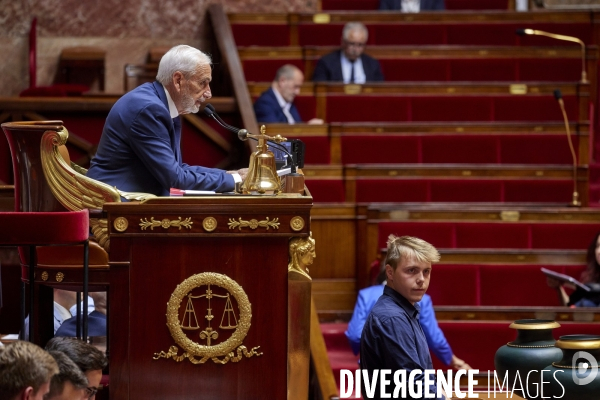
176	140
351	71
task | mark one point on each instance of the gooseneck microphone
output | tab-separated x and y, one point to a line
242	134
558	96
523	32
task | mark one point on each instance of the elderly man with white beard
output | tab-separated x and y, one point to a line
139	150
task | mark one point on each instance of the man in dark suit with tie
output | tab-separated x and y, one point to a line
412	5
139	150
276	105
349	64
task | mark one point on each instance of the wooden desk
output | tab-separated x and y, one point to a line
165	249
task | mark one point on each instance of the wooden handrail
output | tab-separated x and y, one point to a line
226	43
318	353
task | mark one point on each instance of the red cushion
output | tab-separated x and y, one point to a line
440	234
459	149
264	70
317	149
544	191
563	236
44	228
415	70
349	5
467	190
447	277
307	107
483	70
326	190
536	149
492	235
451	108
391	190
533	108
346	108
411	33
321	34
476	4
261	34
380	149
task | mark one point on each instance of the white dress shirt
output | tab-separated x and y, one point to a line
285	107
411	6
359	71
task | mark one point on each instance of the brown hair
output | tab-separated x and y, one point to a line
86	356
23	365
67	371
399	248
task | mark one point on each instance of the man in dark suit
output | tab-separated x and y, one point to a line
349	64
139	150
412	5
276	105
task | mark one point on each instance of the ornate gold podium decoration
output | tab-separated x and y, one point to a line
165	223
297	223
302	254
44	276
253	224
209	224
121	224
198	353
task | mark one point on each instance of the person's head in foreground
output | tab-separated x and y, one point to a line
354	40
408	266
25	371
186	73
288	81
70	383
89	359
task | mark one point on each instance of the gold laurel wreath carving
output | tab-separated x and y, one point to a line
297	223
193	349
166	223
121	224
253	224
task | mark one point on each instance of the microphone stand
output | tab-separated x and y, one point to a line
575	202
293	182
522	32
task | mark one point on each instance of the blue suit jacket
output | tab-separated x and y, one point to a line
267	109
329	68
426	5
366	300
139	150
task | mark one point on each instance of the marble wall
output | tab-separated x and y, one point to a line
125	30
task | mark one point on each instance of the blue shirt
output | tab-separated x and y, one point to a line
393	339
435	337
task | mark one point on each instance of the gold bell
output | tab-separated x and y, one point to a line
262	175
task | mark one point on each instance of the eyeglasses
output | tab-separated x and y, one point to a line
91	392
354	44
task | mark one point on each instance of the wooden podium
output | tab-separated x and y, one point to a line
201	302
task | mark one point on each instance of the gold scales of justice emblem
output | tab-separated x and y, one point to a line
231	349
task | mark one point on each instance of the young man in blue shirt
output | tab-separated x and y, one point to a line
392	338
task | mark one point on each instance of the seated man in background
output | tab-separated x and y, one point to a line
89	359
349	64
435	337
25	371
412	6
70	383
96	319
140	150
276	105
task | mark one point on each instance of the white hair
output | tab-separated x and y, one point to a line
352	26
182	58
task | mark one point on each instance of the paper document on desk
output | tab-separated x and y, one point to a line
565	279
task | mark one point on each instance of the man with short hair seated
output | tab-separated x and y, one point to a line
70	383
89	359
276	105
349	64
25	371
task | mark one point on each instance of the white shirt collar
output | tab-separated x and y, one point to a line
281	100
172	108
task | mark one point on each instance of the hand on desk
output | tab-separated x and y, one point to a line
457	364
241	172
316	121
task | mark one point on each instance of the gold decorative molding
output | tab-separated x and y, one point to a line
44	276
510	215
166	223
297	223
99	227
195	352
302	254
121	224
60	276
209	224
253	224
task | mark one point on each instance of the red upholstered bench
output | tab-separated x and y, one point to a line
264	70
399	108
462	190
501	69
248	34
494	235
456	148
476	4
326	190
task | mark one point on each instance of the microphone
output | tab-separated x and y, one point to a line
242	134
558	96
523	32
